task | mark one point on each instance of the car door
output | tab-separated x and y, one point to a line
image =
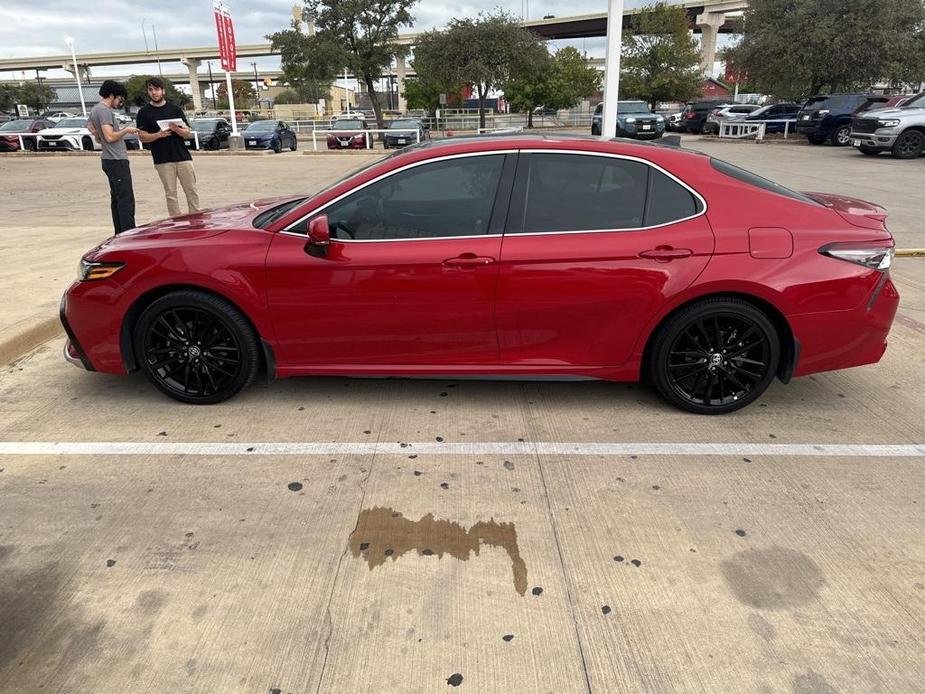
593	247
409	277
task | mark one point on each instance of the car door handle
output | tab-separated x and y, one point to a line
468	260
666	253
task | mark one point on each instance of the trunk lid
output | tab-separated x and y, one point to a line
859	213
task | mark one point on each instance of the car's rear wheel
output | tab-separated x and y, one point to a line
816	139
909	145
869	151
841	136
87	144
195	347
715	356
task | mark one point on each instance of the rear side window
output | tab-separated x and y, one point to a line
668	201
757	181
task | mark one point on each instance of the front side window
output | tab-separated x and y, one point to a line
442	199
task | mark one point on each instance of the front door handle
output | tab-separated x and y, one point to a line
666	253
468	260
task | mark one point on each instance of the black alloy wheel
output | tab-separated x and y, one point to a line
909	145
295	144
715	356
841	136
278	147
196	348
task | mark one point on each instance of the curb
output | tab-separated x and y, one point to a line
20	343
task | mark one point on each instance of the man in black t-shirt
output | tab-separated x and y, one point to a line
172	159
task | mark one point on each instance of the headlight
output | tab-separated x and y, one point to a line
823	112
630	120
887	123
89	271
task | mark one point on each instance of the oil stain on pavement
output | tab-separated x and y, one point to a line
774	578
382	533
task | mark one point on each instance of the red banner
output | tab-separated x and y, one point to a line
226	45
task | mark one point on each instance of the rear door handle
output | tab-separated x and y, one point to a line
468	260
666	253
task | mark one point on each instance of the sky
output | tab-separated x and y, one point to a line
28	28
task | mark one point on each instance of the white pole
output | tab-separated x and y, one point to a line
80	91
346	94
612	67
234	119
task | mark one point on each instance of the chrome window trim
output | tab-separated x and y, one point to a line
581	152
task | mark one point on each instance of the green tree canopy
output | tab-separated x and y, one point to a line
485	52
794	49
243	91
34	94
9	93
356	34
426	95
138	94
660	60
288	97
309	63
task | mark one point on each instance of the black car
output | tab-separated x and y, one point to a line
695	114
401	139
213	133
828	117
785	111
269	134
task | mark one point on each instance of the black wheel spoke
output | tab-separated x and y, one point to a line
735	381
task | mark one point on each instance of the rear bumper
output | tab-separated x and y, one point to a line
842	339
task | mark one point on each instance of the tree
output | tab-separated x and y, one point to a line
357	34
796	49
420	94
138	93
485	52
309	64
557	82
36	94
660	60
242	90
288	97
9	95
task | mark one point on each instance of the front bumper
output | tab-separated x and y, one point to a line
352	144
257	144
882	138
72	349
64	144
630	130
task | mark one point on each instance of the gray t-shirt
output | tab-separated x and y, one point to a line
101	114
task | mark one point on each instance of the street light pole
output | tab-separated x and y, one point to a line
156	53
256	86
612	68
83	106
212	87
145	34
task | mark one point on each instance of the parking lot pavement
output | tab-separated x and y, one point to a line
335	535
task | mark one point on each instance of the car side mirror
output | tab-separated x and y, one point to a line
319	237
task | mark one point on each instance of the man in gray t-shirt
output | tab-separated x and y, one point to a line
108	131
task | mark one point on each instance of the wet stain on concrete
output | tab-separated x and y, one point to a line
740	532
294	486
761	626
773	579
379	530
811	683
5	551
110	563
508	465
537	590
508	637
200	612
605	609
454	680
150	602
635	562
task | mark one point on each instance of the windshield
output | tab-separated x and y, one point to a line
204	125
405	124
347	125
632	107
261	125
915	102
72	123
16	126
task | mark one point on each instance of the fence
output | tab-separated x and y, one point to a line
366	132
739	129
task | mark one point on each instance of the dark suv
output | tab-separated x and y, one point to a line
828	117
695	114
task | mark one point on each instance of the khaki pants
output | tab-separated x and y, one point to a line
183	171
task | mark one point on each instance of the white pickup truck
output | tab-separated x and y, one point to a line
900	131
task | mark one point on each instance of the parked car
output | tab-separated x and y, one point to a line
499	256
56	116
353	115
695	114
10	142
828	117
347	134
545	111
776	112
270	134
726	112
67	134
900	131
401	139
213	133
673	121
634	119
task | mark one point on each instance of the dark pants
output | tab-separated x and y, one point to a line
121	195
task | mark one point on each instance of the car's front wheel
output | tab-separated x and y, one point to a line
195	347
714	356
87	144
909	145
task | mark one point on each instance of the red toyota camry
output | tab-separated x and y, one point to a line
534	256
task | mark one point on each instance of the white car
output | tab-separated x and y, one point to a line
55	117
726	112
68	134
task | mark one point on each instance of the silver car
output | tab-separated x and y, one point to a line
900	131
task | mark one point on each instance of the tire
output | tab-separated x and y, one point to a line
689	343
29	144
294	146
87	144
816	139
869	151
841	136
909	145
595	130
278	147
214	144
201	374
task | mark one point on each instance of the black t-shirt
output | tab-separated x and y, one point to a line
168	149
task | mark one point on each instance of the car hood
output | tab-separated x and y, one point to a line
262	135
64	131
893	112
856	212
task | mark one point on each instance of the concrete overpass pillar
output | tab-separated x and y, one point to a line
400	74
193	65
709	24
84	72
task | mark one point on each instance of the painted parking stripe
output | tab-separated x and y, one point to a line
440	448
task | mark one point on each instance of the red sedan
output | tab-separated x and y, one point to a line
500	256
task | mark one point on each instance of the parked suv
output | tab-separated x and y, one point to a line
726	112
634	119
900	131
828	117
696	112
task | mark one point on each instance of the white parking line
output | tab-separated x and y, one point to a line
441	448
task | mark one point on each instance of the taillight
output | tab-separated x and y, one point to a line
876	255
